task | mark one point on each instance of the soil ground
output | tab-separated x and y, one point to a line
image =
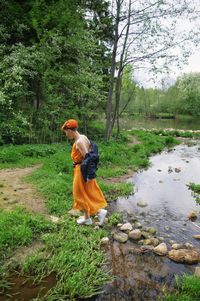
14	191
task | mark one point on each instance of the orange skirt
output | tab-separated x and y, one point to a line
88	196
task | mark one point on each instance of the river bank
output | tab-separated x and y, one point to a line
53	181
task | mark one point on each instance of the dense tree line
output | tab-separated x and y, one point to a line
54	60
183	97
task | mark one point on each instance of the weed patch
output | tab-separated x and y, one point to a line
188	289
196	190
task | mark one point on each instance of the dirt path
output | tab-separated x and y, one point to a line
14	191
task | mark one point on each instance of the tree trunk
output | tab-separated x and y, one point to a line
108	129
119	75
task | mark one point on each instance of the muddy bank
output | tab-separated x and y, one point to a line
25	289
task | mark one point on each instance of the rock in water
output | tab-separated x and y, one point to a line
151	230
126	227
177	246
192	215
120	236
142	204
197	236
135	234
151	241
161	249
184	256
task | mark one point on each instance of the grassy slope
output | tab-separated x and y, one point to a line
74	251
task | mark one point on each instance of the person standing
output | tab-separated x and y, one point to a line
87	194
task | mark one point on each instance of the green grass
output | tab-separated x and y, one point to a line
177	133
188	289
115	218
74	253
19	228
25	155
196	189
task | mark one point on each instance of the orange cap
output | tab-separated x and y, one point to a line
69	124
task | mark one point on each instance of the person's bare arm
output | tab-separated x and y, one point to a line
82	148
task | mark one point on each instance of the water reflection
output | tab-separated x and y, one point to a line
178	123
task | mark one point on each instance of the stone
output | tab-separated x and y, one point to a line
177	246
145	234
120	236
135	234
159	170
151	230
167	228
119	225
146	248
138	225
170	169
189	245
161	249
184	256
54	219
192	215
197	272
133	219
197	236
126	227
104	241
142	203
151	241
177	169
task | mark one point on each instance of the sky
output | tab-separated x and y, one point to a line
148	81
184	25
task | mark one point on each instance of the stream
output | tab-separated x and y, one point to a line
145	276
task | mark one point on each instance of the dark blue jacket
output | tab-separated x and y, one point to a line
90	162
